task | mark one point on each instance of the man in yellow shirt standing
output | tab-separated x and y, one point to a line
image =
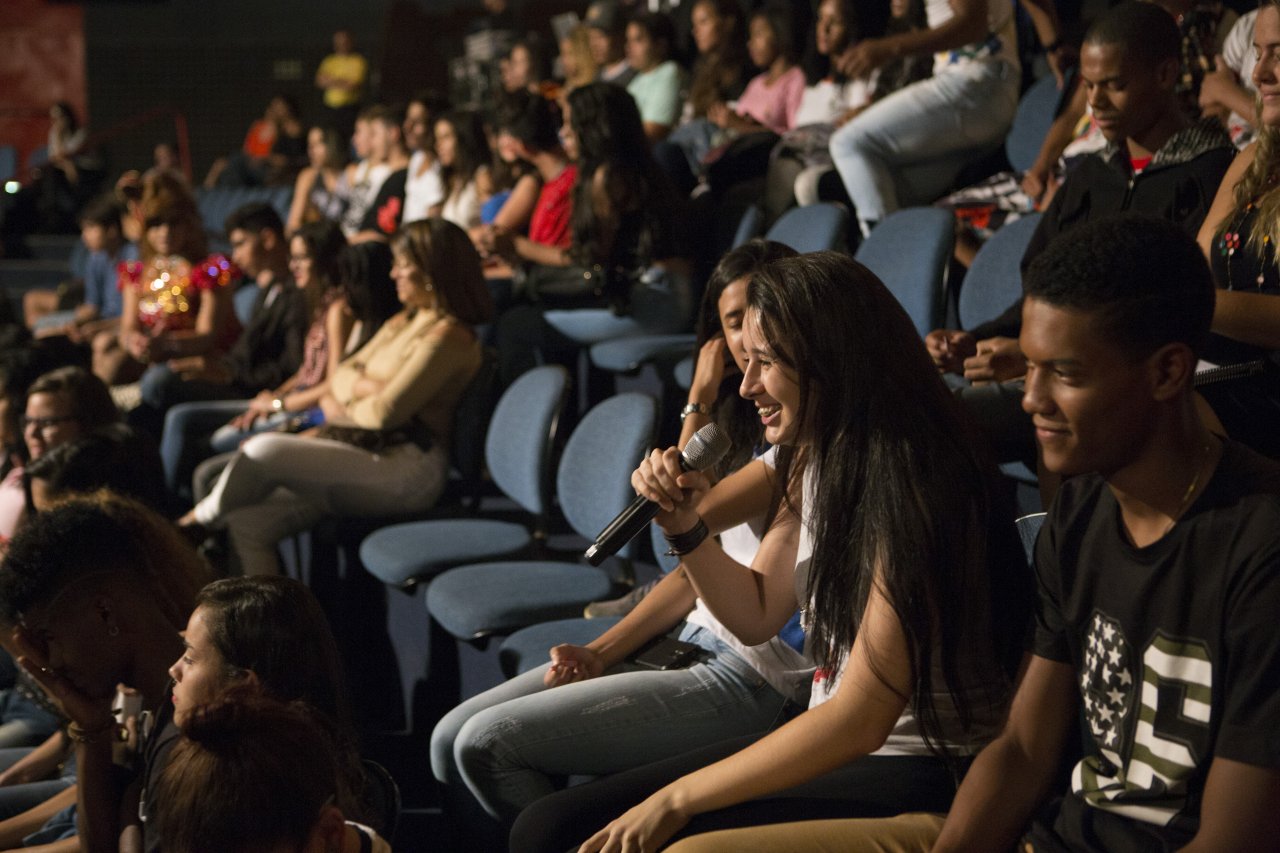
342	76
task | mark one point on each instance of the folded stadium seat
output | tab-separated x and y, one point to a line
994	279
910	251
593	486
529	647
518	452
1037	109
814	228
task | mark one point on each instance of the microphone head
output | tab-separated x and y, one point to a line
707	447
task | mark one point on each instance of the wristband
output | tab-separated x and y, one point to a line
694	409
1054	45
683	543
111	729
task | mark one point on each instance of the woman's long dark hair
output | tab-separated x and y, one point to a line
610	137
858	24
471	150
364	270
720	74
325	243
274	627
734	414
900	496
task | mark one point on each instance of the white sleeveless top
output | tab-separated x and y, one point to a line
786	670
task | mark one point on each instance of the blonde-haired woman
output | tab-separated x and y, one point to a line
1239	237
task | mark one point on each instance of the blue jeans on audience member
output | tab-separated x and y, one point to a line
22	721
188	426
907	148
16	799
509	743
60	826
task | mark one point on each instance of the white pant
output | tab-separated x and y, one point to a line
278	485
909	147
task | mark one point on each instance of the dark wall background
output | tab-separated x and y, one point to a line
219	61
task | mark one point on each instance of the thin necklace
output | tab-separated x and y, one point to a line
1191	490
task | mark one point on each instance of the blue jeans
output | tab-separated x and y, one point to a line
16	799
508	743
908	148
22	721
187	428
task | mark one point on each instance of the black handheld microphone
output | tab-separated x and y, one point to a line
707	446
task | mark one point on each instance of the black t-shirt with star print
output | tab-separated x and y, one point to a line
1175	647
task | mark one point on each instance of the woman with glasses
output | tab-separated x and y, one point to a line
61	406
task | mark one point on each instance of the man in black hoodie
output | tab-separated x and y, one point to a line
1156	161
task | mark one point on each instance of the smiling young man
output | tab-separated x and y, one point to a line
1158	568
1155	162
1158	573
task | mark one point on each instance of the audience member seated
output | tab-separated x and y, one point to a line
1238	237
316	193
17	372
424	187
93	594
829	100
313	266
267	351
367	300
71	175
719	76
111	457
386	144
744	134
577	62
103	237
513	181
1204	25
176	301
658	81
527	68
388	412
1227	90
274	149
507	745
1135	585
934	126
916	606
364	176
530	131
61	406
1155	162
625	221
253	774
607	28
463	152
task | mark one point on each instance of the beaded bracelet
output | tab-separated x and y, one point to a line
79	735
683	543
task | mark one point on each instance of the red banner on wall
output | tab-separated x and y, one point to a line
41	62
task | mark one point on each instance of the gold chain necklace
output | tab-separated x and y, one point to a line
1191	490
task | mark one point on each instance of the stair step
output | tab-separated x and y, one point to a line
52	247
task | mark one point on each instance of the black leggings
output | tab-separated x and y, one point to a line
873	786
